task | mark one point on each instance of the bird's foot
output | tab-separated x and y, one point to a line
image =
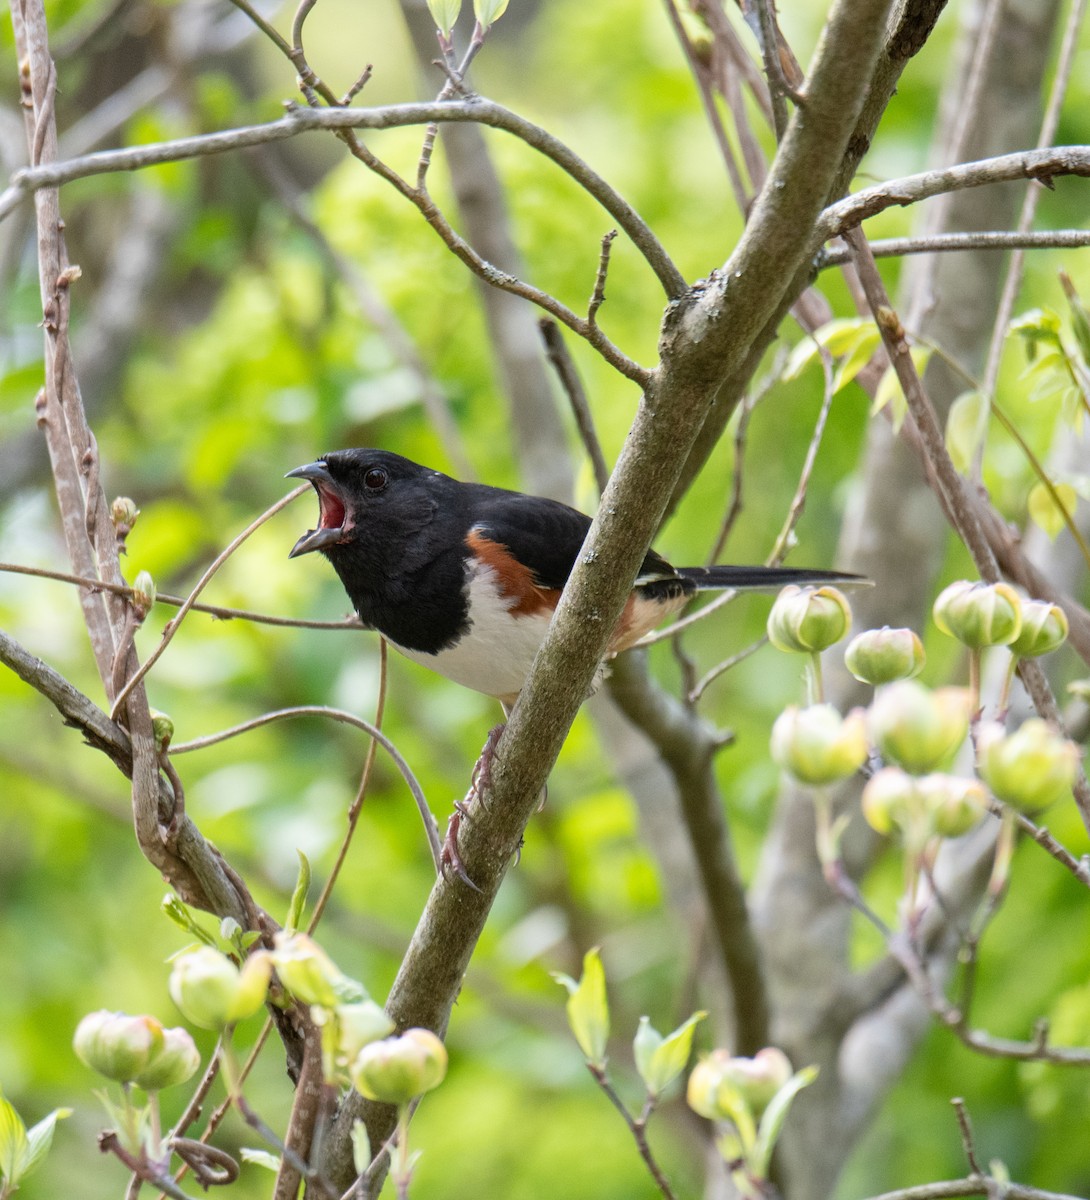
480	783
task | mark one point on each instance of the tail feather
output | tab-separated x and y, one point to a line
762	578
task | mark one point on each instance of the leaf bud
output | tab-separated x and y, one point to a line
175	1063
721	1084
917	728
397	1069
212	992
1030	768
890	800
808	620
346	1029
1044	629
117	1045
143	594
953	805
309	973
817	745
979	614
885	655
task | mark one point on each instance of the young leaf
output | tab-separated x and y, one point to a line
488	11
361	1147
260	1158
14	1148
966	425
775	1114
867	341
299	895
588	1008
1045	512
889	388
178	912
444	13
660	1060
40	1137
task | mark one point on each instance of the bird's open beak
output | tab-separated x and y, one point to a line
332	515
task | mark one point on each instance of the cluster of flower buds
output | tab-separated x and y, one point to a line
917	731
135	1050
750	1098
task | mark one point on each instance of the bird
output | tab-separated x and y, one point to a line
464	577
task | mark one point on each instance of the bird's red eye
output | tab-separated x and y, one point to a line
375	479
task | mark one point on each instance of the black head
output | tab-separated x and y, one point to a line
361	491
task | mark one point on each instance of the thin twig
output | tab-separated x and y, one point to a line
703	76
637	1127
737	485
1044	165
965	1128
357	804
1013	280
301	120
598	296
212	610
798	502
1064	239
346	718
557	353
722	668
171	627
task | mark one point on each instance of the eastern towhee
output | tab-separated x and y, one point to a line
464	578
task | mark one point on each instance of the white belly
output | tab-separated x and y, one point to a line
495	654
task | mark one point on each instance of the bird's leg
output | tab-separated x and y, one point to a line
480	782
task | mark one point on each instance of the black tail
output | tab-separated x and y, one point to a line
761	578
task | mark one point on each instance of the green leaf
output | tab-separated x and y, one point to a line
966	425
260	1158
644	1045
1045	512
361	1147
1080	319
841	336
889	388
488	11
40	1138
444	13
588	1008
866	343
14	1148
177	911
299	895
660	1060
774	1116
800	358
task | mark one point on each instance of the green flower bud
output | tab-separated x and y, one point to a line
123	513
117	1045
308	972
162	728
979	614
817	745
143	593
720	1084
953	805
398	1069
346	1029
808	620
212	992
1044	629
175	1063
919	729
890	800
1030	768
884	655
